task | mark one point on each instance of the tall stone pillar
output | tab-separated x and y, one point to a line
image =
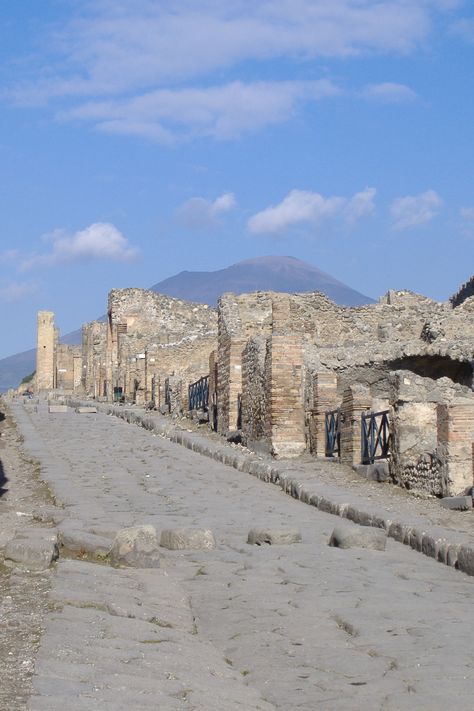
45	351
325	398
455	446
355	401
285	408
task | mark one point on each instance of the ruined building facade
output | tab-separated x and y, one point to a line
288	372
58	366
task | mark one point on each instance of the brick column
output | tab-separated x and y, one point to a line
229	384
325	398
455	446
355	401
285	410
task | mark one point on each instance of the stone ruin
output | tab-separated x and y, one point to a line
274	365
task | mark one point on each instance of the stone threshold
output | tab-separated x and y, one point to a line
452	548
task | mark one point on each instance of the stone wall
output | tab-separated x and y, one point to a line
464	292
239	319
151	337
254	404
68	367
427	452
94	348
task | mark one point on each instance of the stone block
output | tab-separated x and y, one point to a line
57	408
31	552
136	547
271	536
465	561
457	503
358	537
187	538
86	410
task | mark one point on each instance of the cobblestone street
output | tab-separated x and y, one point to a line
302	626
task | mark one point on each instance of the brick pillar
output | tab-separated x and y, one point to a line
46	351
355	401
285	409
325	398
455	446
229	384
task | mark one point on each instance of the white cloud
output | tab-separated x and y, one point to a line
14	292
388	93
222	112
145	68
414	210
100	240
361	205
302	206
123	46
199	213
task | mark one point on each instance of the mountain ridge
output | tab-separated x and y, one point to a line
266	273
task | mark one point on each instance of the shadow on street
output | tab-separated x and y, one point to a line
3	480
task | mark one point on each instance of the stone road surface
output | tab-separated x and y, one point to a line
302	626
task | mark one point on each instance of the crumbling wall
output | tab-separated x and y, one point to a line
94	349
239	319
152	336
420	460
465	291
68	365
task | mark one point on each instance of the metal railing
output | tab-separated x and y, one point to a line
333	433
198	394
375	436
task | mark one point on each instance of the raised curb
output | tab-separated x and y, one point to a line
444	545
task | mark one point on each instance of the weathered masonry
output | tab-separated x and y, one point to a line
57	365
149	350
287	363
293	373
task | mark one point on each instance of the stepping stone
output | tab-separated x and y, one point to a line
358	537
58	408
31	551
192	538
273	537
86	410
136	547
457	503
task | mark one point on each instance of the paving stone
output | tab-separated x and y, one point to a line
136	547
271	536
30	553
358	537
187	538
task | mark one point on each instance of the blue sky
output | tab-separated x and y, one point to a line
141	138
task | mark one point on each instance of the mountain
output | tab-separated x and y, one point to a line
259	274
